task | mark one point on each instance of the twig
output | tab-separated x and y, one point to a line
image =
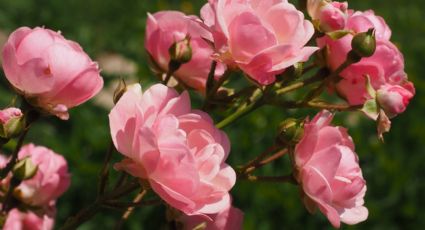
250	166
130	209
280	179
104	173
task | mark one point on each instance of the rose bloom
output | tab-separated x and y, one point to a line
54	74
330	16
385	66
167	27
393	99
228	219
27	221
51	180
261	37
328	170
178	150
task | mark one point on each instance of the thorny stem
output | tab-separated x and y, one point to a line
254	102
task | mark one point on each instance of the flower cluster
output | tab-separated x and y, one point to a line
177	152
379	79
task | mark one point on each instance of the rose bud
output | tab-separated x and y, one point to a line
329	16
12	123
393	99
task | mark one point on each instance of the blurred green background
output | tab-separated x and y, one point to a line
112	32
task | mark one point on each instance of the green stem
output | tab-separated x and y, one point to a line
337	107
298	85
242	111
316	105
14	159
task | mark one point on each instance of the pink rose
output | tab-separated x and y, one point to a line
261	37
393	99
51	180
178	150
329	172
166	27
228	219
330	16
27	221
363	21
53	73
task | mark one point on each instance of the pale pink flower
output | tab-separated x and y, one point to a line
166	27
17	220
328	170
329	16
228	219
261	37
53	73
51	180
359	21
393	99
178	150
9	113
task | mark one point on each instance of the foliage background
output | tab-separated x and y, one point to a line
394	170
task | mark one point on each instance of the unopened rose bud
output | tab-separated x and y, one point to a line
363	45
393	99
11	123
119	91
180	53
290	131
25	169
